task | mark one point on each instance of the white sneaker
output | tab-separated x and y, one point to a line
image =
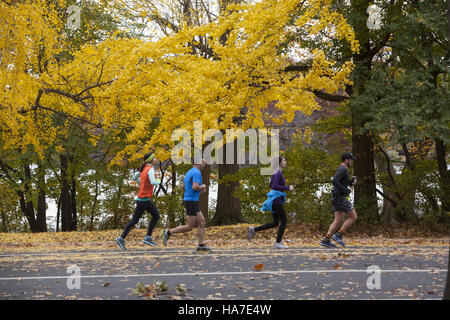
279	245
251	233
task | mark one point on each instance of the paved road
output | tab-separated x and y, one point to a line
296	273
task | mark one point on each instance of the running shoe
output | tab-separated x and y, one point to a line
327	243
165	237
121	242
202	247
279	245
148	240
338	239
251	233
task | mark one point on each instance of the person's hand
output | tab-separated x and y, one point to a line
291	188
203	188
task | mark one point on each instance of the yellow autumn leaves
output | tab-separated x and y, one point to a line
213	72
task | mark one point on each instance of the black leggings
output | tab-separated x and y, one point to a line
141	206
279	215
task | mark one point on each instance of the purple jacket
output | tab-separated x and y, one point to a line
278	183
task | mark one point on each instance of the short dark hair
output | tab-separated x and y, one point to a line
347	155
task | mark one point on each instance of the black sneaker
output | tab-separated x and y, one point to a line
202	247
338	238
327	243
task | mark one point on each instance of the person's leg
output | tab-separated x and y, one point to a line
326	240
272	224
191	220
338	218
351	218
281	214
150	207
200	224
138	211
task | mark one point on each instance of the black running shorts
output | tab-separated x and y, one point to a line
341	203
192	207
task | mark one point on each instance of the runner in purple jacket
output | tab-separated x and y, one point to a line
278	213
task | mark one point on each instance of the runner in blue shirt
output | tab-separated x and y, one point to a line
192	188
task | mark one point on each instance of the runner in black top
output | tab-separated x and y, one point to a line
340	202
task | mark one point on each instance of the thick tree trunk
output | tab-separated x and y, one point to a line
409	196
66	203
362	142
444	179
27	206
228	209
364	170
204	197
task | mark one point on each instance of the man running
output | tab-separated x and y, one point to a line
340	202
274	203
192	188
146	179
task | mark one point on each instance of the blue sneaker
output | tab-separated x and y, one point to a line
148	240
327	243
121	242
338	239
165	237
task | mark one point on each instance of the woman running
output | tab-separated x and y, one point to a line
146	179
274	203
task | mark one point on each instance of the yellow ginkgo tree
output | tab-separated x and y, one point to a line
224	73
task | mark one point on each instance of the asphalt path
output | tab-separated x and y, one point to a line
250	273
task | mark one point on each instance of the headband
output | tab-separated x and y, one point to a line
150	158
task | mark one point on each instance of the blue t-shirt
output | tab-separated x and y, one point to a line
192	176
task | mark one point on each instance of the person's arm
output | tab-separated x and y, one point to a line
136	177
276	183
197	182
151	176
340	173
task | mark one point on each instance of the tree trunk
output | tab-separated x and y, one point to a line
58	213
409	197
4	222
204	197
94	206
66	203
389	212
118	198
41	216
444	179
362	142
27	207
228	209
364	170
73	201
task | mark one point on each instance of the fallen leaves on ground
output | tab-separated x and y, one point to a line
234	236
